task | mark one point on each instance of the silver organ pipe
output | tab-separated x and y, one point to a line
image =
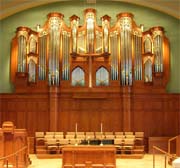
90	33
98	42
112	60
137	56
81	42
158	53
140	59
105	26
126	49
74	34
63	51
57	54
32	48
54	49
147	45
22	53
161	54
42	57
32	71
105	39
122	58
65	55
68	58
114	55
158	48
74	26
19	55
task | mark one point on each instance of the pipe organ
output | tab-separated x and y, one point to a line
90	55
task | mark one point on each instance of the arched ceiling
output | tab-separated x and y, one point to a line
10	7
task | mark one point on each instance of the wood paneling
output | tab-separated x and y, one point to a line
157	114
29	111
178	146
160	142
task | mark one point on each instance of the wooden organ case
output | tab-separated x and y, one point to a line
89	56
91	69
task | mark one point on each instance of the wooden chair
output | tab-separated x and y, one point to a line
128	145
52	146
90	135
39	138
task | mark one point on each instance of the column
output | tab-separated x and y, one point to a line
53	108
90	71
126	102
178	146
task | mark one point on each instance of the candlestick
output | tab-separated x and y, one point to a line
76	128
101	128
101	144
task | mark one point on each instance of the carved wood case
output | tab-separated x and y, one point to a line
89	55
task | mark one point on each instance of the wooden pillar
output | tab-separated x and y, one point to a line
53	108
90	71
1	110
178	146
1	143
126	109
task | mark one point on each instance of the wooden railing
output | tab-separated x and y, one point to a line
169	143
166	154
5	159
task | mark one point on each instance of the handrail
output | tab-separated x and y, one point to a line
162	151
169	143
13	154
171	139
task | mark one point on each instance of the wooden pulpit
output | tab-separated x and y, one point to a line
13	146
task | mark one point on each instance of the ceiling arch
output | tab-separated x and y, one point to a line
10	7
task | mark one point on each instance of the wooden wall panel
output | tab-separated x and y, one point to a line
89	113
26	111
155	114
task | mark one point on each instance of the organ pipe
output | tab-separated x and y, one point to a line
54	47
74	26
90	32
42	57
158	48
65	56
111	47
105	25
114	55
126	48
137	56
23	34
